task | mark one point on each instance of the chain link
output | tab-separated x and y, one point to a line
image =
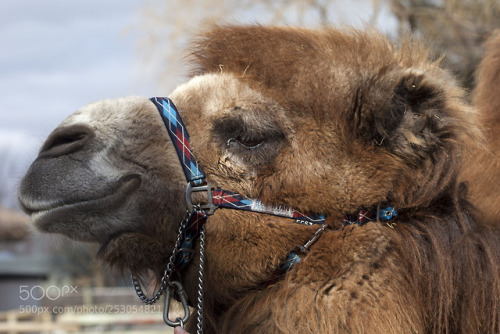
166	274
200	282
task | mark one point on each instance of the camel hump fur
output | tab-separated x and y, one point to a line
331	121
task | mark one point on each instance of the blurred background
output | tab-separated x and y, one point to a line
58	55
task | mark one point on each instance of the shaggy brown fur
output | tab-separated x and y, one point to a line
483	167
322	121
442	249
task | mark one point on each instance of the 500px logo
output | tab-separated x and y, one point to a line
52	292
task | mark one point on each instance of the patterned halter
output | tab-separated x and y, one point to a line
192	227
218	198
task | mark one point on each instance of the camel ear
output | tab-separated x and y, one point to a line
411	120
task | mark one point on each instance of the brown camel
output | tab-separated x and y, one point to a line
335	123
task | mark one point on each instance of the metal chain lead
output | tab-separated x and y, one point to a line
200	282
166	274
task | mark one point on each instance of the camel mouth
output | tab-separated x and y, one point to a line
45	214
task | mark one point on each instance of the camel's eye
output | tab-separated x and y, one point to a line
249	143
255	143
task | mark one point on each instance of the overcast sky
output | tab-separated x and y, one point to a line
58	55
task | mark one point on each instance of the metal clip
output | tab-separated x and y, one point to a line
209	208
184	301
305	248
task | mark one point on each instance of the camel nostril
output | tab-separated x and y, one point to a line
66	140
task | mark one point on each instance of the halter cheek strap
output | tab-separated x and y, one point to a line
180	138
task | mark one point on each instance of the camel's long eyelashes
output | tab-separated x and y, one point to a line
257	144
248	143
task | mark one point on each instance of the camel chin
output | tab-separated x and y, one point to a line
77	218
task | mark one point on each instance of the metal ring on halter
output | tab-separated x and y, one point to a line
209	208
182	322
184	301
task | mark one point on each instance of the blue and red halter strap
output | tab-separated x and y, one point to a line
364	215
229	200
180	138
226	199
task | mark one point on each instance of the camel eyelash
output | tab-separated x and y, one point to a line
246	143
234	130
256	146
